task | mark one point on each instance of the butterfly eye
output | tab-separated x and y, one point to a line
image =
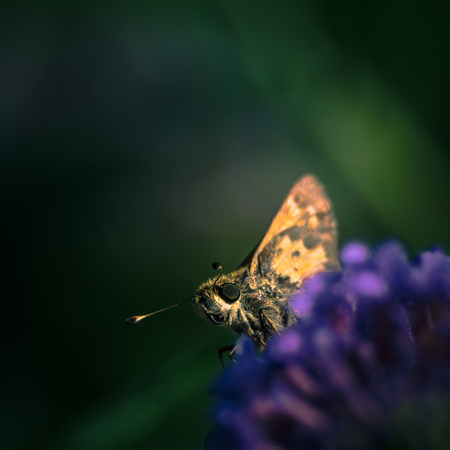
230	292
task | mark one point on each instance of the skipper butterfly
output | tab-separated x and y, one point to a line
254	299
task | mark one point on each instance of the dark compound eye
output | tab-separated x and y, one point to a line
230	292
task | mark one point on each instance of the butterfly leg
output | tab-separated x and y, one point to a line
231	348
266	323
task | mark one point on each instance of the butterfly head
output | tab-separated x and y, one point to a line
217	298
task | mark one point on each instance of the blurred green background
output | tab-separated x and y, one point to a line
141	141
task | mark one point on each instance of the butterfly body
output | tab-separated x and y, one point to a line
260	310
301	241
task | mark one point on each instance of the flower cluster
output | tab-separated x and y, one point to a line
366	366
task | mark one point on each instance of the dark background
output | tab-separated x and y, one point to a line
141	141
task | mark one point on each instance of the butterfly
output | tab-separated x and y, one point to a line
254	299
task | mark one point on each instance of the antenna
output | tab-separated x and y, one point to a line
136	319
217	266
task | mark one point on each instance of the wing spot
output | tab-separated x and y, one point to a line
300	203
295	254
311	241
293	233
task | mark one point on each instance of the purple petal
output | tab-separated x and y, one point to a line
355	253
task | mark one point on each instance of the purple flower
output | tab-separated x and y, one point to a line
366	366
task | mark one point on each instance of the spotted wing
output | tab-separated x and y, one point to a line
301	241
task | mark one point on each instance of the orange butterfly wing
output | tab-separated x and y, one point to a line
302	239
